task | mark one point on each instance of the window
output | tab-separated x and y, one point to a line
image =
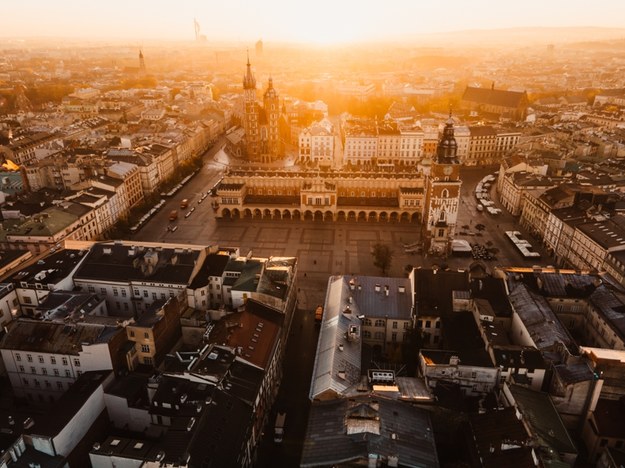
59	385
48	384
22	369
33	370
145	293
29	357
437	324
379	335
28	300
366	334
103	291
367	323
18	357
394	324
25	382
153	296
77	362
56	372
65	361
44	371
145	348
132	333
40	359
146	335
67	373
147	360
428	324
394	337
123	293
91	289
379	323
115	292
52	360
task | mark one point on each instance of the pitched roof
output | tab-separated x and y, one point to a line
51	337
119	262
496	97
341	431
334	352
545	422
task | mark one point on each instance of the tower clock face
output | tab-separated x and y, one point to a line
447	170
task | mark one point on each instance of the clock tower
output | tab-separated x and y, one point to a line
442	195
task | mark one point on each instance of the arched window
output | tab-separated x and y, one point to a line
442	216
445	193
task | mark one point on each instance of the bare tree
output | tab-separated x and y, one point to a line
382	257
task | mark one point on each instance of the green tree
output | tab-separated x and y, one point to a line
382	257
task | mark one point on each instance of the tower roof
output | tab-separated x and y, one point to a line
249	82
271	92
447	146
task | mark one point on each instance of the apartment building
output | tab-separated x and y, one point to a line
43	358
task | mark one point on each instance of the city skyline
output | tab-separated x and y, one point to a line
324	23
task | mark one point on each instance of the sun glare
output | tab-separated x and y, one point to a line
327	26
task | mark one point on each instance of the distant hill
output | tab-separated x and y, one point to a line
521	37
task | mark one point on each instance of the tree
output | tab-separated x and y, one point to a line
382	257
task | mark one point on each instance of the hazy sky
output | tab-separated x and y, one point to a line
320	21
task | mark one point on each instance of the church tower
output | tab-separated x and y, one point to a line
442	195
271	105
250	119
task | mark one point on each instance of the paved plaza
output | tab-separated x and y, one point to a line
325	248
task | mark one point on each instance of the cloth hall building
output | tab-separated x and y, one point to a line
401	195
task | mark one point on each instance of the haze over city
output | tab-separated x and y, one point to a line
319	22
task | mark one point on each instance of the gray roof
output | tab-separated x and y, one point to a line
329	359
340	431
609	234
566	285
125	262
610	304
387	301
52	269
541	322
538	410
51	337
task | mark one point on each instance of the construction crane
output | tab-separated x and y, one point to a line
196	25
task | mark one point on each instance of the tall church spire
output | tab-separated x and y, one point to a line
249	82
